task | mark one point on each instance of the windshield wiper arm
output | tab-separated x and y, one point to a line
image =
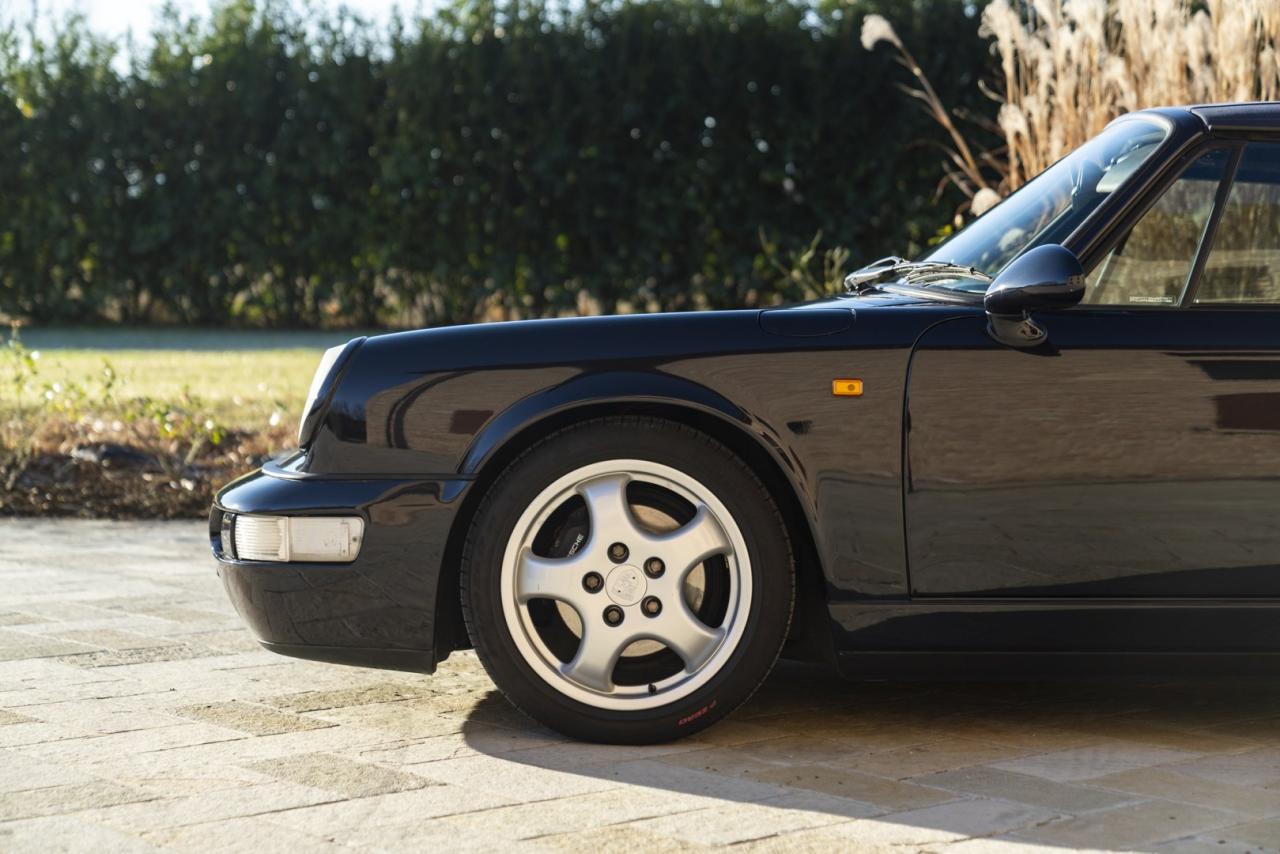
894	267
876	271
943	269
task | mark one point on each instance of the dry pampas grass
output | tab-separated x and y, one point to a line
1070	67
975	172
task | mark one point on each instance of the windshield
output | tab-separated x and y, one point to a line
1054	203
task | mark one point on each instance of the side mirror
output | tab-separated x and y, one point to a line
1046	278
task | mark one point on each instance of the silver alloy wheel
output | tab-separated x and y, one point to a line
588	676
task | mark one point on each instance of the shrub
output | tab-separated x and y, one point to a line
266	166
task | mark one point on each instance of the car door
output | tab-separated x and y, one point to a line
1137	453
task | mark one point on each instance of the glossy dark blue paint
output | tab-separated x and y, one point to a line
1139	455
384	602
976	498
1046	278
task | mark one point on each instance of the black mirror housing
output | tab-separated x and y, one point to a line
1045	278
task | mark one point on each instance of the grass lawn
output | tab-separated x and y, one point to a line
145	423
241	378
242	389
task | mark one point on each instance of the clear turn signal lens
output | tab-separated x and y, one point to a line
307	539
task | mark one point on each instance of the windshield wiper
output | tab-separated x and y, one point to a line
894	267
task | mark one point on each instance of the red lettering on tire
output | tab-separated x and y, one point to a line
693	717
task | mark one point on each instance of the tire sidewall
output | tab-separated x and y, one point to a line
718	470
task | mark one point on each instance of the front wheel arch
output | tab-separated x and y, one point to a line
810	638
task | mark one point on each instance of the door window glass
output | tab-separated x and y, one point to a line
1244	261
1151	264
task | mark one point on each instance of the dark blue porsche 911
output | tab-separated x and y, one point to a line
1054	442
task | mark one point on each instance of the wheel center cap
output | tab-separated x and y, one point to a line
625	585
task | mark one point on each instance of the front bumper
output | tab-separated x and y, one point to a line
380	610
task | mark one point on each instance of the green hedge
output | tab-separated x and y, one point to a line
266	167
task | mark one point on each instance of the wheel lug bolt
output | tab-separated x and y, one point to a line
592	582
618	552
613	615
651	606
654	567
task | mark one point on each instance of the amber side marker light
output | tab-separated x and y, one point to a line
846	388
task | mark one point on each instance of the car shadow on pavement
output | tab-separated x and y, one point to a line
815	760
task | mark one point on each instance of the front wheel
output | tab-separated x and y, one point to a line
627	580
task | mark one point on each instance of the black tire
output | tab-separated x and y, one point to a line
671	444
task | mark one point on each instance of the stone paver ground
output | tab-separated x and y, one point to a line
137	714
